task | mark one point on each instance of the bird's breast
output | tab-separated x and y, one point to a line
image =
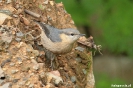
56	47
63	48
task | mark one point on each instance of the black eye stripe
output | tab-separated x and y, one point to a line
72	34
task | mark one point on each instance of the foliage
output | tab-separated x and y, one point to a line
105	81
112	17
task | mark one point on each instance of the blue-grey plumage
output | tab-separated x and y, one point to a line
58	41
51	32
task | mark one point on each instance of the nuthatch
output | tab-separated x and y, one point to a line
58	41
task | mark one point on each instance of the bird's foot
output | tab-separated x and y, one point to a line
51	65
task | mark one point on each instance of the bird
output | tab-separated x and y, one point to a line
57	41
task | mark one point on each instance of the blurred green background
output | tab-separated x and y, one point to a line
110	22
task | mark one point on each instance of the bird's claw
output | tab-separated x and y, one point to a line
51	64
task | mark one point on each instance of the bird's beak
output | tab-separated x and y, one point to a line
82	34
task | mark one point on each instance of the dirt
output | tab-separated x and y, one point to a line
22	59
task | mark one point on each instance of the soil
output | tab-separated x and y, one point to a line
22	59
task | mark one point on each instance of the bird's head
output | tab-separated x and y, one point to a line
70	35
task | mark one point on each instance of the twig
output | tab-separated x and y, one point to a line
32	13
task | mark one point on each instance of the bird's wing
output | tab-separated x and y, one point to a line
51	32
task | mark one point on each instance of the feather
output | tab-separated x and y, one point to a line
52	33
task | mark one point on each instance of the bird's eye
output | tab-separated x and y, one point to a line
72	34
